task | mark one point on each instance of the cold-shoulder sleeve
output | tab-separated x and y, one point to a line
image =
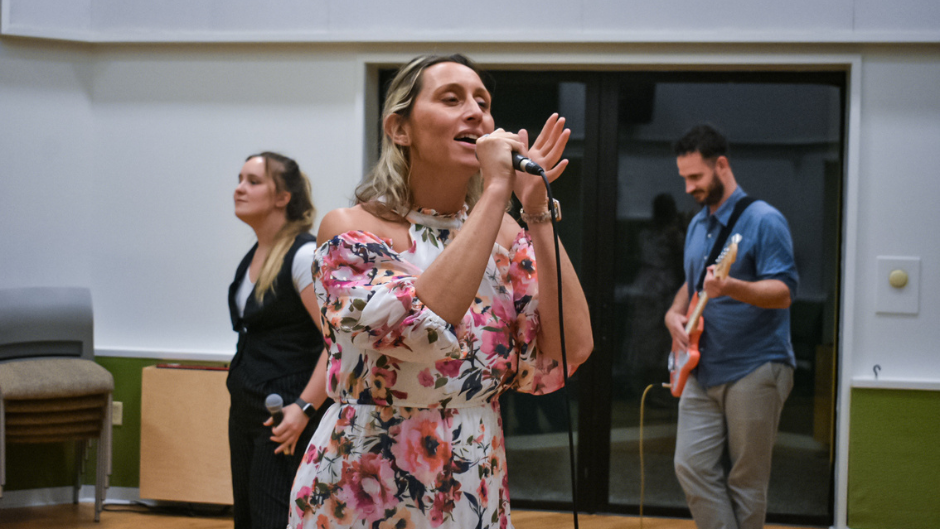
536	373
366	291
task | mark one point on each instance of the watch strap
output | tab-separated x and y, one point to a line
308	409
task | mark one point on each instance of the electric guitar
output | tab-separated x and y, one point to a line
681	363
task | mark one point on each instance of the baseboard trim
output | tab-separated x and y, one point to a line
60	495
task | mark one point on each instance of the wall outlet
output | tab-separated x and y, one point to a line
117	413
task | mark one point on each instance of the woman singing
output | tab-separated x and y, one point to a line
432	307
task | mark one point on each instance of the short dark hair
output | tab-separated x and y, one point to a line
703	139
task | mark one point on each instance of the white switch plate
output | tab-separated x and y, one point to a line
117	413
891	300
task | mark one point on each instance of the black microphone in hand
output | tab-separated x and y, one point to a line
274	403
521	163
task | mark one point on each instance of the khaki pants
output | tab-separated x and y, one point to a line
737	422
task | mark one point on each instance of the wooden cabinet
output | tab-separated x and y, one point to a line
184	454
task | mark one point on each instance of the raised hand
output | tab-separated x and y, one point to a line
546	151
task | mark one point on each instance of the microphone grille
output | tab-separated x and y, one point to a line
274	401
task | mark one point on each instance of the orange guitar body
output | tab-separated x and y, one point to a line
681	363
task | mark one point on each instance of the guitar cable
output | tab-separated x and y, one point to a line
642	467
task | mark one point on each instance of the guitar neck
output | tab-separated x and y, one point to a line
722	267
697	313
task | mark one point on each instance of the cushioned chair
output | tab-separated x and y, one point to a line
51	389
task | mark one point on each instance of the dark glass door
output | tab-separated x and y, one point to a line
536	427
785	131
625	214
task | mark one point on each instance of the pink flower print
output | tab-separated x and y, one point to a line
387	376
448	368
436	516
500	365
323	522
503	308
311	454
522	271
483	492
382	380
477	314
421	449
302	500
368	487
496	342
345	418
527	327
442	505
333	371
405	295
425	378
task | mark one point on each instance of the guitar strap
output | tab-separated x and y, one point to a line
723	236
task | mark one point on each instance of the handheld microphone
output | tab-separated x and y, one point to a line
521	163
274	403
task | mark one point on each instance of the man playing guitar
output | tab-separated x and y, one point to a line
732	401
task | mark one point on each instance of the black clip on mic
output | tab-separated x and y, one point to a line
274	403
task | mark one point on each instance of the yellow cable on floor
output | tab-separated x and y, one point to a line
642	473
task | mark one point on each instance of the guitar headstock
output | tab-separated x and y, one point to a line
728	256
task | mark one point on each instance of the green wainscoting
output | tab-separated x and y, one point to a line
35	466
894	459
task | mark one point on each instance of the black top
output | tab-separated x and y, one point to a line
277	338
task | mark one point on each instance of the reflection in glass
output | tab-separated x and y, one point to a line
786	149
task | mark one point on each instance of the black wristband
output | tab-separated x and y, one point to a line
309	410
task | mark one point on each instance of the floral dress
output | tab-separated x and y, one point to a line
415	439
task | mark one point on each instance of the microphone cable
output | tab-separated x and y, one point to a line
524	164
564	353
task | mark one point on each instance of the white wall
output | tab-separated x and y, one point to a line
898	213
121	164
482	21
47	198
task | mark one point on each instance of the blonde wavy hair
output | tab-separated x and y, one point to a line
287	176
386	191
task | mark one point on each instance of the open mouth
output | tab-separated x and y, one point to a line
467	138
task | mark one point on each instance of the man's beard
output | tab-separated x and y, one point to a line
714	193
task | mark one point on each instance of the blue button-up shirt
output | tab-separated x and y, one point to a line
738	338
